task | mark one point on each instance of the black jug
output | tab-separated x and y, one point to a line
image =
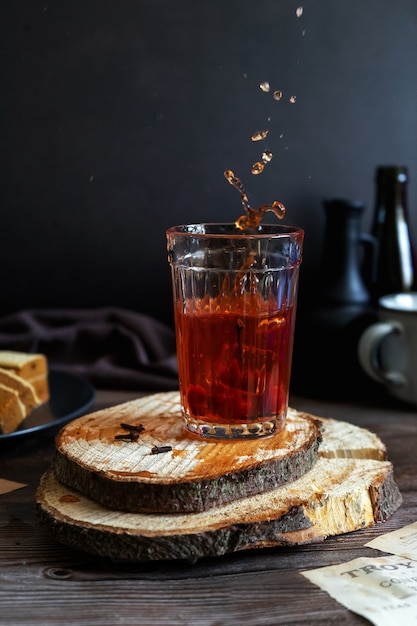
325	360
342	280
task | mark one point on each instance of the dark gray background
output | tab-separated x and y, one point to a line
118	119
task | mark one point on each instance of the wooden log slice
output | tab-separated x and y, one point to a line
192	474
336	496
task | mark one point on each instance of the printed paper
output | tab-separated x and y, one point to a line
383	590
402	542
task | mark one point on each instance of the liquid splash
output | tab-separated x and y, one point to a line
257	168
259	135
252	217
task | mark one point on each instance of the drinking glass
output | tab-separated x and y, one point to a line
235	295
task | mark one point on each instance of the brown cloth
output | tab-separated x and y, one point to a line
113	348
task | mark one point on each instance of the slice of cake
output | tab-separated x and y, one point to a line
31	367
12	409
26	390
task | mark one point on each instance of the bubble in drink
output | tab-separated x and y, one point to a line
293	99
277	95
299	11
265	86
257	168
259	135
266	156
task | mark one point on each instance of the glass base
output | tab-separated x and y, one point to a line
253	430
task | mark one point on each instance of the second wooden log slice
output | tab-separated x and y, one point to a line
337	496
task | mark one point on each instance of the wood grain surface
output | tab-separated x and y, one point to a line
47	584
161	468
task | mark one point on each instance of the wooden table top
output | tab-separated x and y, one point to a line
45	583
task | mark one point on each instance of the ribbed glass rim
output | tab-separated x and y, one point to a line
212	230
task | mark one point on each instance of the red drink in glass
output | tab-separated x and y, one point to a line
235	368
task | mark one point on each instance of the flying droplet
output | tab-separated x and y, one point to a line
277	95
276	207
235	181
267	156
259	135
237	184
257	168
242	222
265	86
299	11
279	209
293	99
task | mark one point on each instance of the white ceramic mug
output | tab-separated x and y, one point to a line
387	349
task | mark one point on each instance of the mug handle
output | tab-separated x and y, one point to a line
368	353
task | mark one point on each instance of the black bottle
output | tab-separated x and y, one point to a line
395	267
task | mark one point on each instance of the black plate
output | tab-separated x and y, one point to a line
70	397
